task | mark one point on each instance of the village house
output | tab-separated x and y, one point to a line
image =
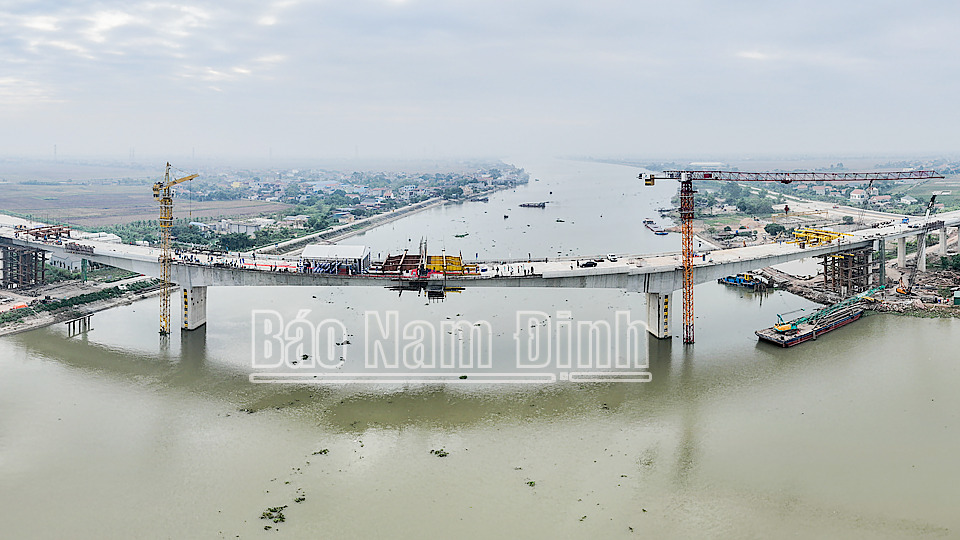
248	227
295	222
343	217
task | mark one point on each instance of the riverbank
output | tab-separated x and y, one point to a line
360	226
341	232
888	301
47	318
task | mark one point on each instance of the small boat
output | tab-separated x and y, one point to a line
533	205
460	235
505	216
559	220
747	280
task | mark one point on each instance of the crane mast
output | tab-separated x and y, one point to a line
906	288
687	192
163	194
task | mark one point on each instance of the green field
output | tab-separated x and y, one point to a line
923	190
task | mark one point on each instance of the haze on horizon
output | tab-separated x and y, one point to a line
428	78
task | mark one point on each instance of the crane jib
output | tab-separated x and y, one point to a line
788	177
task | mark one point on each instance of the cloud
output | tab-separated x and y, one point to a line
16	93
754	55
101	23
42	23
576	76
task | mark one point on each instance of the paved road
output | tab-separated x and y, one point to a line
560	267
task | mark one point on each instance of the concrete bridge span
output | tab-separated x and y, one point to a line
657	275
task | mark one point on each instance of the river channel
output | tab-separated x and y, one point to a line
114	434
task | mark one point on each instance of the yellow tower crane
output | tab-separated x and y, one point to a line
162	193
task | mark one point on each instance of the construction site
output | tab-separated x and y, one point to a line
912	283
844	273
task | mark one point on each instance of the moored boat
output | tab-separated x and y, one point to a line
649	223
745	279
790	333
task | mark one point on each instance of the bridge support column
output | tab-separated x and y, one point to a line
921	261
902	252
880	250
943	241
658	314
194	307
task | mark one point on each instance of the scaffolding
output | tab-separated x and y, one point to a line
851	272
23	267
815	237
46	233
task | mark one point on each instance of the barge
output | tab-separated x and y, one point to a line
747	280
828	319
650	224
793	333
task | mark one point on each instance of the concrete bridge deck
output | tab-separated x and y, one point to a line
658	275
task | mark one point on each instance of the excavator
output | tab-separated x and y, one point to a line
906	287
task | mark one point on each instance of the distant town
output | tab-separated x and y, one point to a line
246	209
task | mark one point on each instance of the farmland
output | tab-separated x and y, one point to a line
923	190
98	204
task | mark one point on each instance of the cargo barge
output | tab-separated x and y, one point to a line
790	333
650	224
793	333
747	280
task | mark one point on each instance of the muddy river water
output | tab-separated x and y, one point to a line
114	434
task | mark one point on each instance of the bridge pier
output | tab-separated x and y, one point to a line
194	307
658	314
943	241
902	252
880	250
921	261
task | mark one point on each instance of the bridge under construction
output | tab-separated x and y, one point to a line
854	261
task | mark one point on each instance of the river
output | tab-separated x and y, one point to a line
112	434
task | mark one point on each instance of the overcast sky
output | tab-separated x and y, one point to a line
427	78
